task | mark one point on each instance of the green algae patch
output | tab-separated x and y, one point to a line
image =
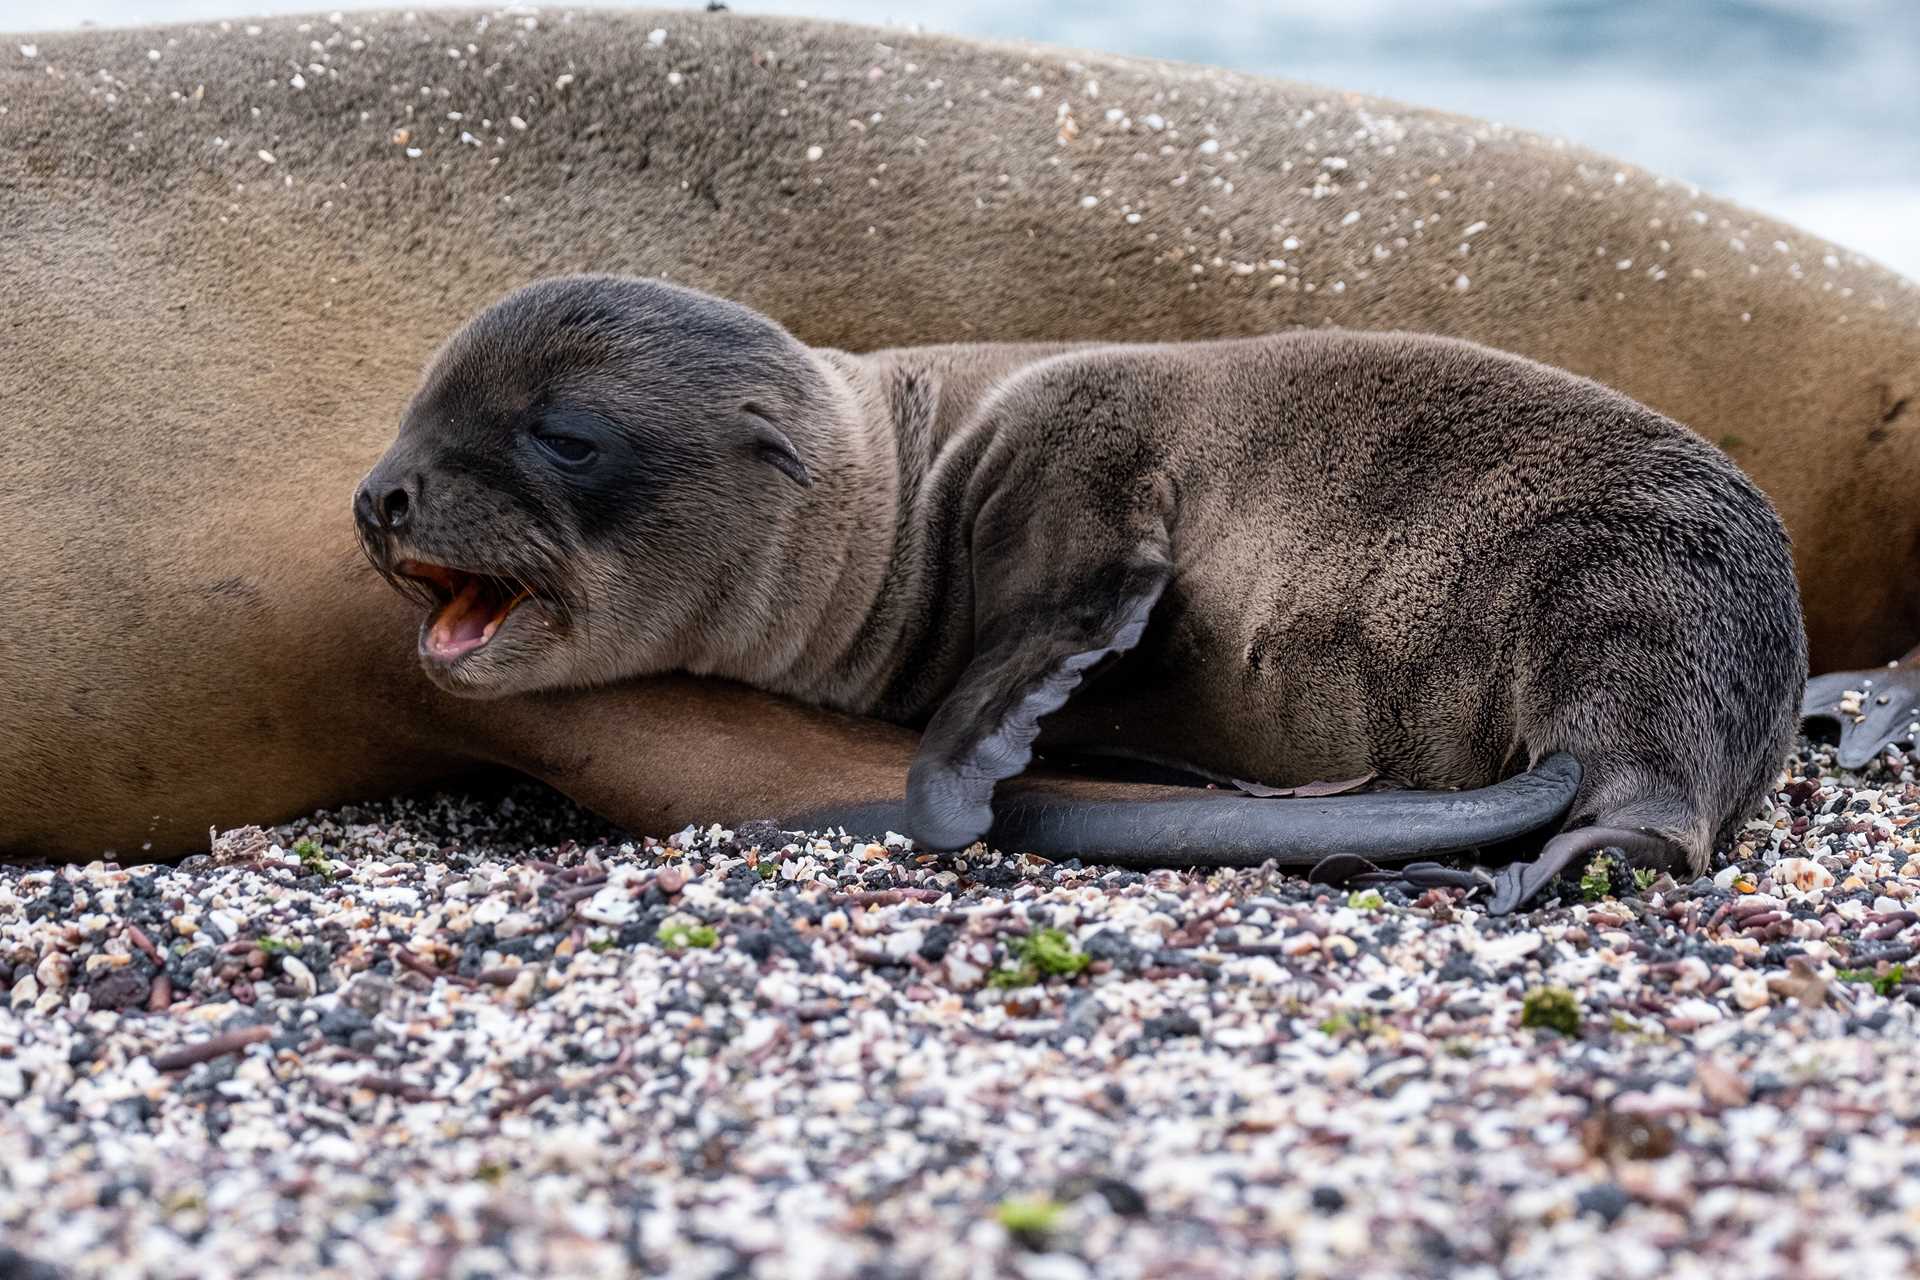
1029	1219
1883	983
1551	1009
679	935
1042	954
312	861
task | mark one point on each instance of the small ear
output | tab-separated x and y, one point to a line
770	444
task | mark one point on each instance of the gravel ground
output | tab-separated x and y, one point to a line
462	1038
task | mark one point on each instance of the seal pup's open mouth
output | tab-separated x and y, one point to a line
471	610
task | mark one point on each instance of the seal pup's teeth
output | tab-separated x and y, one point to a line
500	615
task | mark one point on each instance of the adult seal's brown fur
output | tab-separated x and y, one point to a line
220	287
1313	555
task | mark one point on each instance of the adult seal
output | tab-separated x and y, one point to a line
229	249
1312	555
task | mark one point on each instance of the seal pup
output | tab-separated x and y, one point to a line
1298	556
188	635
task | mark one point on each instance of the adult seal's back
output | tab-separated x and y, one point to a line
226	250
1314	555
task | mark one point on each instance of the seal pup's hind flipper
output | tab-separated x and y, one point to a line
1215	829
1874	709
1338	836
1520	882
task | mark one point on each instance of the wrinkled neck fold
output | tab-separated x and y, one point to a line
802	591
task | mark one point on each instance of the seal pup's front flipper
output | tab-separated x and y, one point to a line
983	732
1874	709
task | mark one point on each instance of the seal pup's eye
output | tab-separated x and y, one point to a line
571	451
771	445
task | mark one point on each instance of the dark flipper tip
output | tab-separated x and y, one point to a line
1344	869
1520	882
1874	709
946	810
1434	875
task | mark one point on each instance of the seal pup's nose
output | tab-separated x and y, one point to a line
382	505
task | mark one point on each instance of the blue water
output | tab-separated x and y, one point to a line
1809	109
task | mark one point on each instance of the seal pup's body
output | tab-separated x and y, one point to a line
187	635
1313	555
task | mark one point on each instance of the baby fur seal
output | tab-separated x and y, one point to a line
188	635
1291	557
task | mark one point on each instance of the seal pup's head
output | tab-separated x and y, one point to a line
591	469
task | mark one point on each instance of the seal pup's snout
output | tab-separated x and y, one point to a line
476	591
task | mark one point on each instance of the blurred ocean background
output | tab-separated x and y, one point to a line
1808	109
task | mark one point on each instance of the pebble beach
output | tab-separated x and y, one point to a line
469	1037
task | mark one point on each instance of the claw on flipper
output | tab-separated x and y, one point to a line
1874	709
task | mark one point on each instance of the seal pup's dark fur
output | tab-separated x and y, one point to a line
1302	556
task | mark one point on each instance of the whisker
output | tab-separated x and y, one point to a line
377	555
